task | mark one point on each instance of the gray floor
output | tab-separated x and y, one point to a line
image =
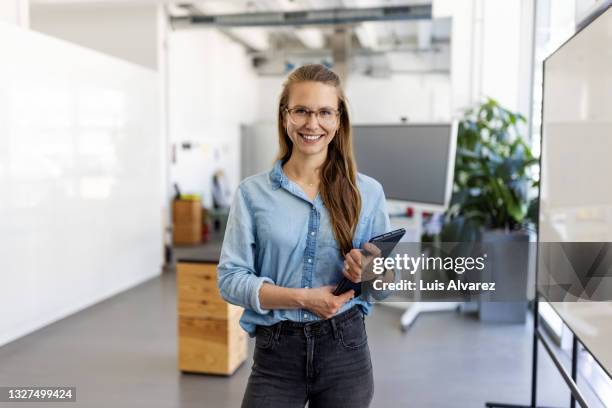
122	353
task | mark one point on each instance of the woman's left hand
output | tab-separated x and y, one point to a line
356	259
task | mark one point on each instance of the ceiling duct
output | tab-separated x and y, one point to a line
307	17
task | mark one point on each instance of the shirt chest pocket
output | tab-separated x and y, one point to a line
327	238
279	230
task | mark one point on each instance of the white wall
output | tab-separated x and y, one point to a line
127	31
419	97
212	91
268	92
491	51
80	170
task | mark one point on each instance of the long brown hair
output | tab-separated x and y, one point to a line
338	186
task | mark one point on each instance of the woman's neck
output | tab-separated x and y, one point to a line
306	169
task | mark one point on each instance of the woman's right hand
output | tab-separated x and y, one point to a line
322	302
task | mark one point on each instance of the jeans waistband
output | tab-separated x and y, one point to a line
317	327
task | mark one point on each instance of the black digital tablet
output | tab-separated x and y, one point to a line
390	239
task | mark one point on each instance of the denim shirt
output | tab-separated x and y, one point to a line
276	234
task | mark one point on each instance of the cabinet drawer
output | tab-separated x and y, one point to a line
210	346
197	292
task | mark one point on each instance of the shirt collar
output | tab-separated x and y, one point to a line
278	178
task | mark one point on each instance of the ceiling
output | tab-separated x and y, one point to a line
371	35
423	37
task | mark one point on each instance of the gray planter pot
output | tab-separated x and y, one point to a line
508	266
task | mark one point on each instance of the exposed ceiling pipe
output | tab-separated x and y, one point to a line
251	38
310	37
307	17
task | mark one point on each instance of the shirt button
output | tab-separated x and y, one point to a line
309	260
312	233
305	316
306	287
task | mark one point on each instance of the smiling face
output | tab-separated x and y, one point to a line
311	137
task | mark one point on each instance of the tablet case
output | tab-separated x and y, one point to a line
392	238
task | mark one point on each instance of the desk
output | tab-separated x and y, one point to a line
210	339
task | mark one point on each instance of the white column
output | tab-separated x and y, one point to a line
491	51
465	64
15	12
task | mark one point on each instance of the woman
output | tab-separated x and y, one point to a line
292	234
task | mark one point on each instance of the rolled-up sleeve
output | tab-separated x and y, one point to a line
238	280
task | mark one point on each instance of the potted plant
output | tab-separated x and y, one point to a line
494	174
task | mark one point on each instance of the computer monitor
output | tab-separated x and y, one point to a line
414	162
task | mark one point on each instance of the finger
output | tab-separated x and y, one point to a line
372	249
346	296
350	263
351	275
355	255
357	270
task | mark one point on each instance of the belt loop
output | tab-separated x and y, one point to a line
278	330
332	321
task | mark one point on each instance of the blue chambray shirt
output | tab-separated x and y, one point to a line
276	234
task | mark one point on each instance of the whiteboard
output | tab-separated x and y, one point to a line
576	183
81	177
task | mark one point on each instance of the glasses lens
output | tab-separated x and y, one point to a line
327	117
299	116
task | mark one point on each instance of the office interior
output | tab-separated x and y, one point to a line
127	125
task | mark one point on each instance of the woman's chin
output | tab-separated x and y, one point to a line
312	150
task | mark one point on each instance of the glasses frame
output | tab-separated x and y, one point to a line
288	111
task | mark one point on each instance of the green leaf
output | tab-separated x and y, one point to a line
494	169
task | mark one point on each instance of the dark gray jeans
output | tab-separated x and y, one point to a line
326	363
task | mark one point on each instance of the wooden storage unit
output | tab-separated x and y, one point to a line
187	221
210	338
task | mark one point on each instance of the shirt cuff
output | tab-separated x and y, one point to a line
256	306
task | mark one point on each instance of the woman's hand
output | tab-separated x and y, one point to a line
356	259
322	302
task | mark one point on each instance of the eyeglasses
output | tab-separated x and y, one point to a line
326	116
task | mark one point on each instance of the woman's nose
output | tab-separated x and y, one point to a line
313	120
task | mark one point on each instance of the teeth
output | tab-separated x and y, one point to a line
309	137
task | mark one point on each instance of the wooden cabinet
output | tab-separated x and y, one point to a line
210	339
187	222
